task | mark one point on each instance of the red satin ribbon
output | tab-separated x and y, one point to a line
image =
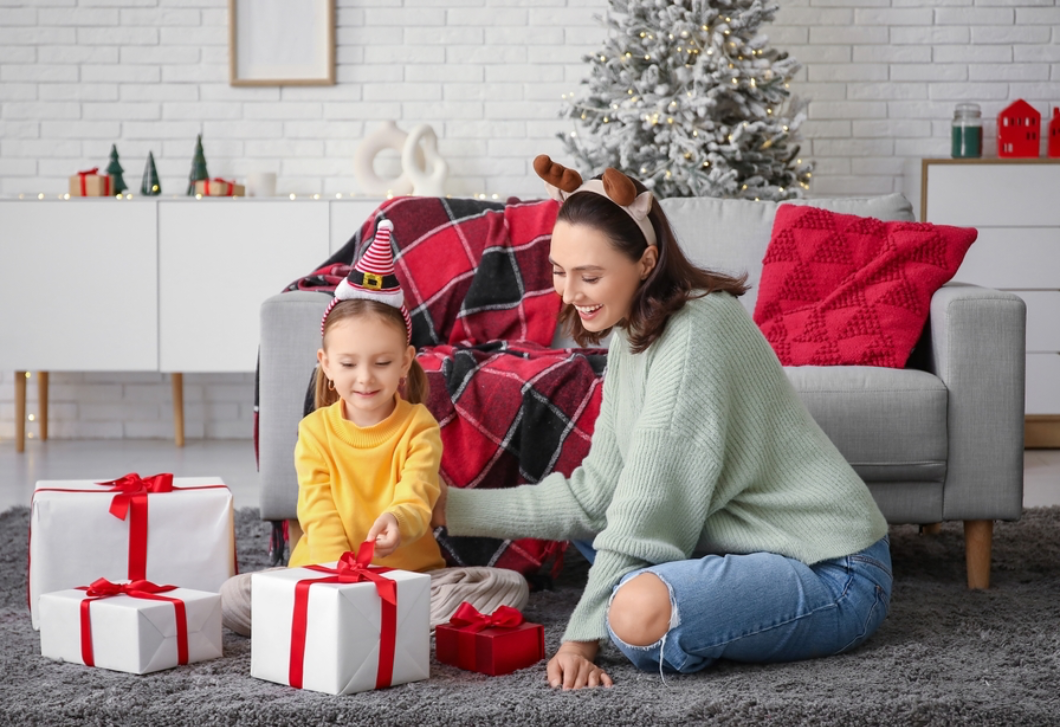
102	588
131	503
468	621
351	569
93	172
228	186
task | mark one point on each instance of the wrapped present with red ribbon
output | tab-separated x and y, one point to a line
90	183
159	528
218	187
136	627
341	628
495	644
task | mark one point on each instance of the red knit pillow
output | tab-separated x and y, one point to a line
845	290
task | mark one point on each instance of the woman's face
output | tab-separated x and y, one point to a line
593	276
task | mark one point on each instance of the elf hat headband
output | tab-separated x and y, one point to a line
373	278
562	182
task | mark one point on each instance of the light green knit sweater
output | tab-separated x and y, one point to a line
701	444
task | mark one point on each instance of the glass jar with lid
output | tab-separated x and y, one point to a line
966	135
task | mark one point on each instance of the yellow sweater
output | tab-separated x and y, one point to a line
349	475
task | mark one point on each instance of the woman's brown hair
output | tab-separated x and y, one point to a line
672	282
415	389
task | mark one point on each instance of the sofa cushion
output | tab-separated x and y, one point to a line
890	424
731	235
847	290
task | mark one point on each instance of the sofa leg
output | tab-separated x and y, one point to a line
931	528
978	536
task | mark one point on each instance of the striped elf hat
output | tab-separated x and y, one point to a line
373	278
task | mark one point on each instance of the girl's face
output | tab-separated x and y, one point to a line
366	357
593	276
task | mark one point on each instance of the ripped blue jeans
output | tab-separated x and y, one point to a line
764	607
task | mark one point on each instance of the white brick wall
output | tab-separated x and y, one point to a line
77	75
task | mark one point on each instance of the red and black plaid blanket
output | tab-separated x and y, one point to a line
478	286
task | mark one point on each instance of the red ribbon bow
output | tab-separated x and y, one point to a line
351	569
132	496
102	588
93	172
227	186
470	619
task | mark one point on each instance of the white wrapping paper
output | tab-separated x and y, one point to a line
133	635
74	539
342	633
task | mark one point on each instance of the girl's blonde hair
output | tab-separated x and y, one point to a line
415	389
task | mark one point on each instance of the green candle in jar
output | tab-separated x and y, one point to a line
966	135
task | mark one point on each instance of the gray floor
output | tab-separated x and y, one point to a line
233	461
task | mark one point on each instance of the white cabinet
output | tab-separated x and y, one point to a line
218	261
78	286
1013	204
152	284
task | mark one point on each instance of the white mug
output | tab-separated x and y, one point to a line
261	184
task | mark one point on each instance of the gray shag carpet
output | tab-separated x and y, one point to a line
944	656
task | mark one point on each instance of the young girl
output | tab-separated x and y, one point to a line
724	524
368	457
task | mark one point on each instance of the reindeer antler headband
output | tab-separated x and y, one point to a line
561	183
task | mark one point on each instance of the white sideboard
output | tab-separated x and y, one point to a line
1013	204
154	284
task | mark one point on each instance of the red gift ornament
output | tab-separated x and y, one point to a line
102	588
131	503
495	644
93	172
226	186
351	569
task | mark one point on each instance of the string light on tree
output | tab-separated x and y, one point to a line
691	95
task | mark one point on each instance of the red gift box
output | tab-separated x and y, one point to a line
496	644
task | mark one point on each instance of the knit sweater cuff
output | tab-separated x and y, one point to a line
588	622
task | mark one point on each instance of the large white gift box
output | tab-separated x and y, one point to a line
185	536
130	634
347	639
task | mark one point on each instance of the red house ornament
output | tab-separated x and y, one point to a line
1054	134
1019	130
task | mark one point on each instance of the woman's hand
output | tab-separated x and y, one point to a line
572	667
438	514
385	534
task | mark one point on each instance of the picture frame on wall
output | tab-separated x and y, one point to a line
281	42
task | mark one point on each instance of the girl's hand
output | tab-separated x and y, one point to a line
385	533
572	667
438	514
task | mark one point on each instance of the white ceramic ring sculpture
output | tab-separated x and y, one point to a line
387	136
423	164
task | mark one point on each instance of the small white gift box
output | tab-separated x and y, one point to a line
339	637
131	633
81	530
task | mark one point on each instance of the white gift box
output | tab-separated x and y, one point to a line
129	634
343	629
74	539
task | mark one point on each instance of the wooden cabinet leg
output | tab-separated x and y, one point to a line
978	538
178	408
20	411
42	404
931	529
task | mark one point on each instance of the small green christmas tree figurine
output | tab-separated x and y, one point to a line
150	186
198	167
114	170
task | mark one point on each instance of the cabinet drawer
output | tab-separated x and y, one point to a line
1043	320
993	194
1043	383
1013	258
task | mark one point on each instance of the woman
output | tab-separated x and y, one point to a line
724	522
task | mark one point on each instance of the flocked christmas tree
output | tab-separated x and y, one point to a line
150	185
198	166
115	171
687	96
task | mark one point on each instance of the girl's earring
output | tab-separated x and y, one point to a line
331	385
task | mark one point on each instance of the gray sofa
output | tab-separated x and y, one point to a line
940	440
